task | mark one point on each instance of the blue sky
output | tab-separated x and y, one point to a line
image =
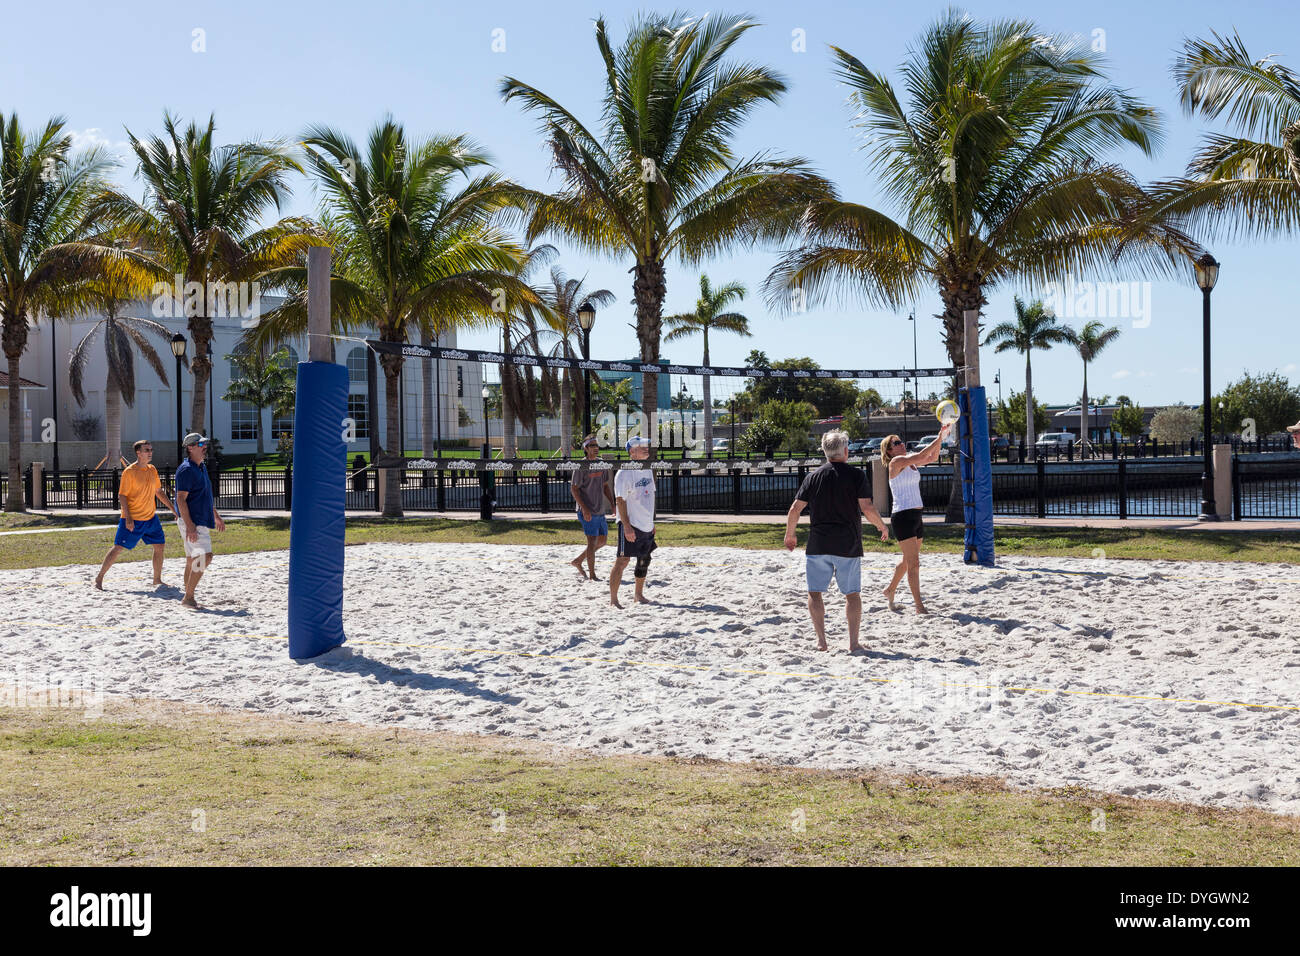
270	69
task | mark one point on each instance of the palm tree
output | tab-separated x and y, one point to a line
1034	328
412	251
994	162
201	217
263	381
565	298
1245	186
521	333
708	315
45	198
1090	340
660	179
121	335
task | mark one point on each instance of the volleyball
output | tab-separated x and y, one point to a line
947	412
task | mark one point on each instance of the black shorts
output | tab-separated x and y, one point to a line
907	524
640	548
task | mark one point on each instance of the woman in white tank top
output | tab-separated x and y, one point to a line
906	513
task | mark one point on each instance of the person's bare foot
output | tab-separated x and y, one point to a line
614	602
642	599
160	583
889	596
577	565
920	609
821	646
190	603
854	648
99	584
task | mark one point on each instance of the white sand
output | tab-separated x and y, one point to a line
493	639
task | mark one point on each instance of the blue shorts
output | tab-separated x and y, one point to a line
846	571
149	531
597	527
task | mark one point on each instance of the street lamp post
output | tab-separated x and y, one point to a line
212	405
1207	274
54	400
178	349
586	319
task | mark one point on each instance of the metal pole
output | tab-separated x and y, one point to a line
586	383
1208	511
212	405
180	453
54	399
437	397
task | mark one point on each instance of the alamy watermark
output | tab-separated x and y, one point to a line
182	300
1074	299
66	690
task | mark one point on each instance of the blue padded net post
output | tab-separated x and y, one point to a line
317	524
977	476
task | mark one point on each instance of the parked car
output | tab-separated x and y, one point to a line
873	444
721	444
1000	444
857	448
1051	441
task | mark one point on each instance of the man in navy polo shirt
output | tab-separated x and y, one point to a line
196	513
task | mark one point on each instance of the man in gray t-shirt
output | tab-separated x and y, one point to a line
590	489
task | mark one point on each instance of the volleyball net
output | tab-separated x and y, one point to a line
456	402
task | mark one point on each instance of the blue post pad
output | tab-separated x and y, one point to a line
977	476
317	525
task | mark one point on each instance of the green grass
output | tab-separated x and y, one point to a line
264	534
153	783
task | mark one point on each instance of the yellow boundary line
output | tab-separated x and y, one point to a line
623	662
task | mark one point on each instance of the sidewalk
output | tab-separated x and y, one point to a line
1190	525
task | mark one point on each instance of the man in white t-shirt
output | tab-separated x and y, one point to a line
634	496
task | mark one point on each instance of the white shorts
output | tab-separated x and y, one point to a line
202	546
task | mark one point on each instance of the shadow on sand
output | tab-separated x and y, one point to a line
345	660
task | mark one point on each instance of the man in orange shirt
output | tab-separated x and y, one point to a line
136	493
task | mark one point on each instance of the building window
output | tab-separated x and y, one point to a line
282	425
243	422
460	381
358	411
357	367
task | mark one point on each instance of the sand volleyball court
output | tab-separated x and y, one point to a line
1133	677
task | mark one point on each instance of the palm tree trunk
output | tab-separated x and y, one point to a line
509	382
427	412
14	500
1085	420
201	369
15	341
260	449
566	413
393	437
1029	406
648	291
708	402
112	423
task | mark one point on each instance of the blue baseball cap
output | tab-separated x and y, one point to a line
634	442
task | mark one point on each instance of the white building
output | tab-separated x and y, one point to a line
153	416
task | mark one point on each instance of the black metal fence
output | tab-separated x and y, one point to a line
1115	449
1264	485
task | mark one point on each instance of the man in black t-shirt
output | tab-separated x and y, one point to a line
836	495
